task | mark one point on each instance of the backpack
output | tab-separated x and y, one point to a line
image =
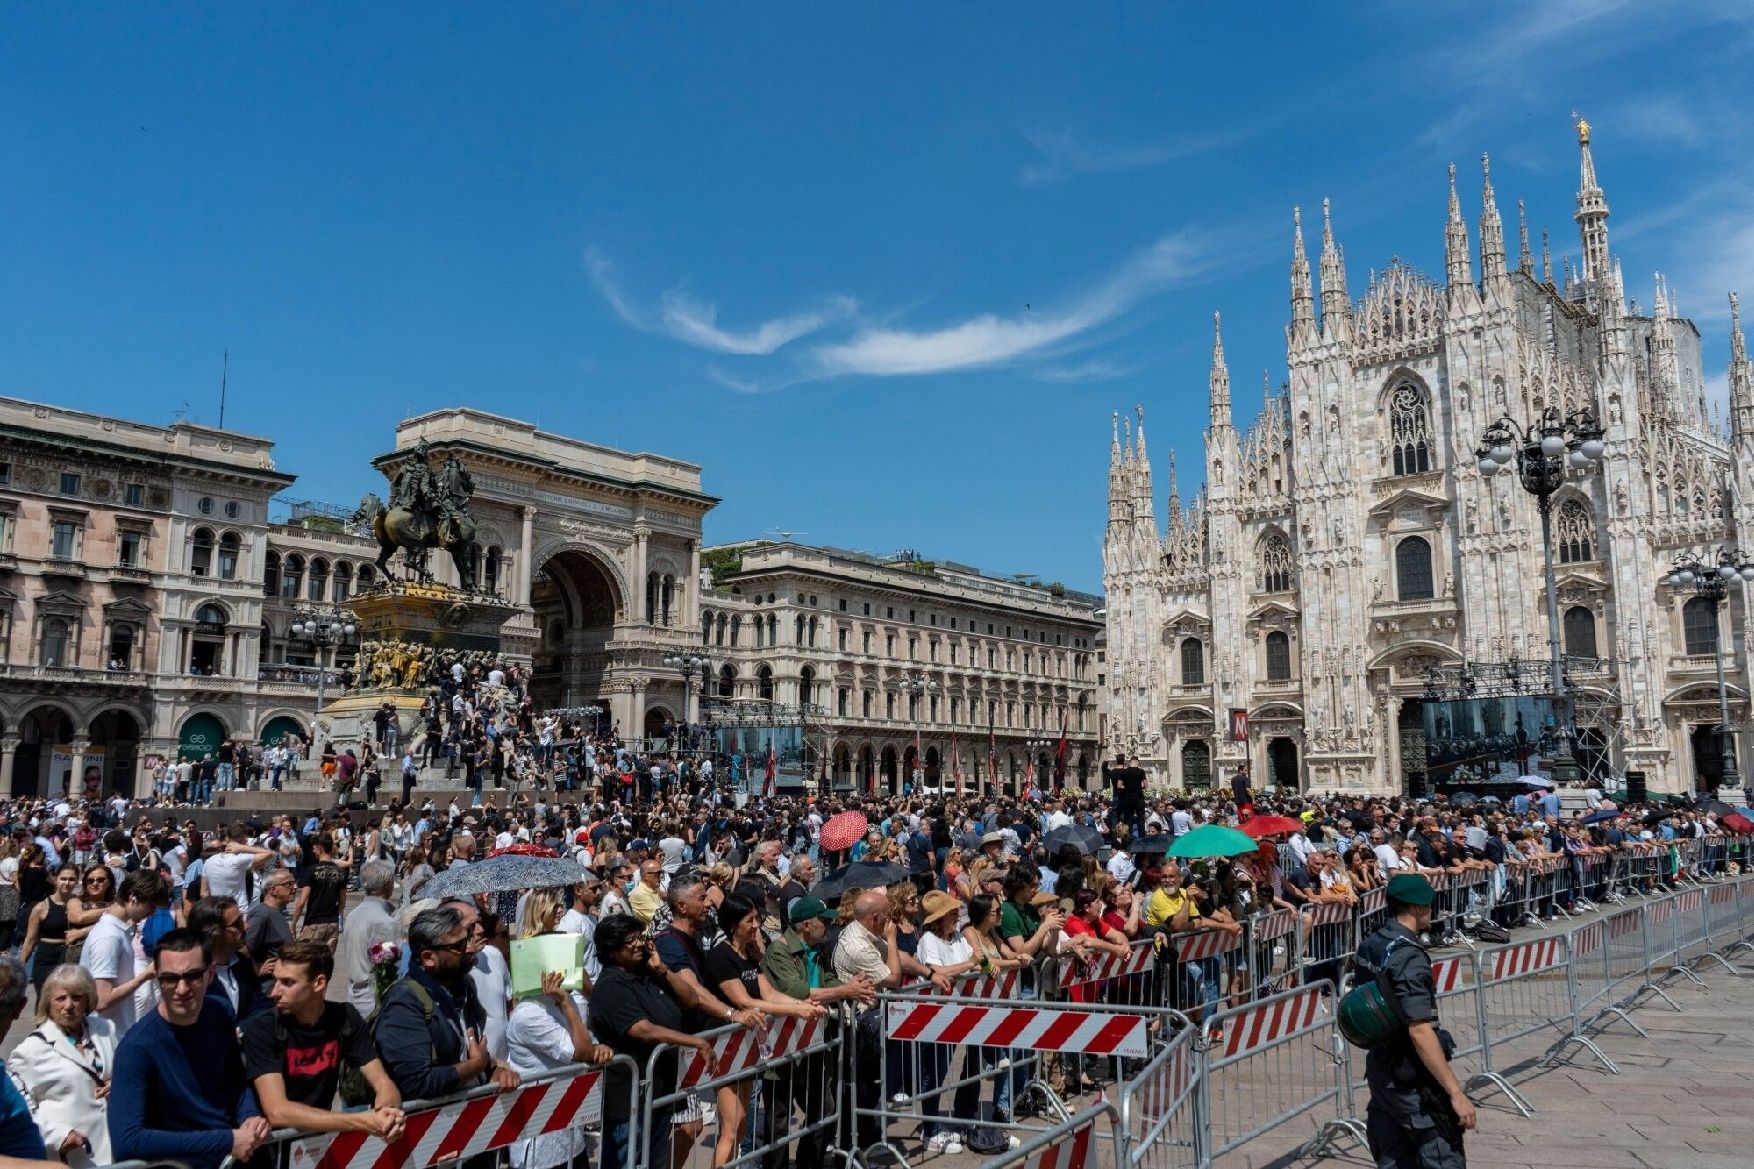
1367	1016
356	1090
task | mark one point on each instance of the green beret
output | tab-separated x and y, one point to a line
1411	888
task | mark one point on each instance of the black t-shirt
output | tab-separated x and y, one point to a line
308	1057
1129	782
724	964
681	952
326	881
618	1001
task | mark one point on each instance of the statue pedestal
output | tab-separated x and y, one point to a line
410	635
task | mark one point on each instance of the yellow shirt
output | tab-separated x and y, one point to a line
1163	905
645	902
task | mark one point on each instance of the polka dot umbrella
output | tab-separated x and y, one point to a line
843	830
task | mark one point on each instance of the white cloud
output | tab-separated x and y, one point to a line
1663	121
1064	157
694	322
991	340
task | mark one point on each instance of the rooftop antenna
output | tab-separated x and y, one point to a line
224	371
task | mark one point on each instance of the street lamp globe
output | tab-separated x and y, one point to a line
1489	465
1553	444
1594	448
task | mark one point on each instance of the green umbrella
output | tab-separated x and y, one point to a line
1212	840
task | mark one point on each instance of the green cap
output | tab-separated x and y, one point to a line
1411	888
805	908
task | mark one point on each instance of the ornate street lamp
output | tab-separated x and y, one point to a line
1544	452
1711	579
323	629
916	687
690	665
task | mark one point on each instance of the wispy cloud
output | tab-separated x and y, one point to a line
1063	156
1095	370
991	340
1661	120
695	322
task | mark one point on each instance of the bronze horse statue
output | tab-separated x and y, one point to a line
416	535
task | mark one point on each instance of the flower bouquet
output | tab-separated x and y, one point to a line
386	960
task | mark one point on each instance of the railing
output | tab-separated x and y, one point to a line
300	675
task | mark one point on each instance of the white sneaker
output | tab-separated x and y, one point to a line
952	1143
899	1098
939	1143
1013	1142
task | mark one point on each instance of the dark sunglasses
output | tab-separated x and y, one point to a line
189	978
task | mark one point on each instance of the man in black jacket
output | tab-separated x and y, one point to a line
431	1027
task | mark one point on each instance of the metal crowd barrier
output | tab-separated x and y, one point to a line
1067	1145
1159	1122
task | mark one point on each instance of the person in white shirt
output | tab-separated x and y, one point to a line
112	954
1121	867
224	870
582	919
547	1032
1388	852
1180	822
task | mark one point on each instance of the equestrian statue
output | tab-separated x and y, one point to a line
426	511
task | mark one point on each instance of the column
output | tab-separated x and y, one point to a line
526	570
8	753
691	588
637	728
641	537
75	790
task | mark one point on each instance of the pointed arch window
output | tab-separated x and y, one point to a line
1576	531
1193	662
1580	632
1275	564
1699	626
1413	569
1410	430
727	682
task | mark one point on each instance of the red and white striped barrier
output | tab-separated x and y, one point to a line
456	1131
1587	940
1031	1028
744	1050
1373	901
1205	944
1446	975
1623	924
1103	967
1328	913
980	986
1721	894
1070	1149
1268	1022
1527	958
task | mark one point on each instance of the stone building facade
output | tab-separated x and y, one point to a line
1346	542
983	673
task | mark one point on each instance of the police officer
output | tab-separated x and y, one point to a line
1418	1110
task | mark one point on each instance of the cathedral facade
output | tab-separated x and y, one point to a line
1346	548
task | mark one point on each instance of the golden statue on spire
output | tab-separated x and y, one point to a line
1583	130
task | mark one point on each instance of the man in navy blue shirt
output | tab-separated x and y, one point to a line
179	1091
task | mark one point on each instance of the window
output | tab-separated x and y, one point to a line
271	575
843	604
1278	657
317	588
1699	625
843	640
121	648
57	643
134	495
69	483
842	698
1576	533
344	582
1410	431
490	578
228	556
232	509
1193	662
366	575
130	545
889	706
727	679
764	684
1580	632
1275	564
205	505
64	540
5	474
736	627
211	616
201	553
868	697
865	642
1413	569
292	579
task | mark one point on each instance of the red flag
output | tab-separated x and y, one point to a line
771	766
919	763
1060	757
992	751
1028	773
956	764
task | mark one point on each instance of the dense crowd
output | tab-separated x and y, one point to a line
192	992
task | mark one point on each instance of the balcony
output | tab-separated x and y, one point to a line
8	562
298	675
58	677
61	566
131	573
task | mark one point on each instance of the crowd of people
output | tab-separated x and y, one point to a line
193	992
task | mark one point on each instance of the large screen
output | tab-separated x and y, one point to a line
1483	738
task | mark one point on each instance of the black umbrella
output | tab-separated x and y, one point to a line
1601	817
1151	845
1463	799
1085	839
856	876
1716	807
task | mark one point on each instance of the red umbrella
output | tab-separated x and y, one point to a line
1261	826
843	830
1736	822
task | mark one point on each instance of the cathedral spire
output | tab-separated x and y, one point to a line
1336	304
1219	381
1302	296
1592	211
1175	495
1665	371
1546	258
1492	271
1525	261
1457	267
1741	376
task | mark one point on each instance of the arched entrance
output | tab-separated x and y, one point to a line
660	723
1414	769
886	772
1708	759
115	738
201	735
934	766
1282	765
278	728
1196	764
39	733
843	767
575	603
866	775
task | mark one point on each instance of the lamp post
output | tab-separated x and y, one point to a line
916	687
1711	580
323	629
690	665
1544	451
1036	746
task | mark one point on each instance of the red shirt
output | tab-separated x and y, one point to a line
1081	992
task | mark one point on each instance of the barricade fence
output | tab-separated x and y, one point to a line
1251	1057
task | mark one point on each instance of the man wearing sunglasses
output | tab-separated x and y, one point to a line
179	1092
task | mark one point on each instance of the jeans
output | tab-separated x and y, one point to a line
935	1070
615	1145
279	770
225	776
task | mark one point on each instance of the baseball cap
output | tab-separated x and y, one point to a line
1411	888
805	908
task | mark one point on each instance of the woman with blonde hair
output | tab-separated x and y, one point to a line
64	1066
541	913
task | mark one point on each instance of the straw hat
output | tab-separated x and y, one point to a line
936	904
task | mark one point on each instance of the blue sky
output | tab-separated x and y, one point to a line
884	270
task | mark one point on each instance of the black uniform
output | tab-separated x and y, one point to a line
1409	1122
